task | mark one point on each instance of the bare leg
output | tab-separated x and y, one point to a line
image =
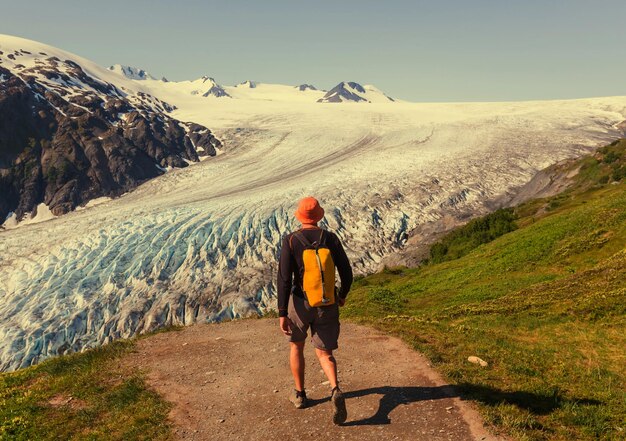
296	361
329	365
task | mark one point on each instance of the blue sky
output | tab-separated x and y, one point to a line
415	50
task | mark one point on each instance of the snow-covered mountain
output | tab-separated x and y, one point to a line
200	243
215	90
206	86
130	72
72	131
354	92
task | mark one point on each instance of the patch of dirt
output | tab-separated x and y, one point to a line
61	400
231	381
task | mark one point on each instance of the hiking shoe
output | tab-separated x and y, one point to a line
339	406
298	398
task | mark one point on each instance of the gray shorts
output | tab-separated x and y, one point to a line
323	321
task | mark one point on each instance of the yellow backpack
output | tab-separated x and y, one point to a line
318	280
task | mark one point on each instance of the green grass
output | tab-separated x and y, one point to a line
544	305
86	396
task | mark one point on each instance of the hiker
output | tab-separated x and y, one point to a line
309	299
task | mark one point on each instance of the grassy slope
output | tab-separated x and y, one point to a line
545	305
87	396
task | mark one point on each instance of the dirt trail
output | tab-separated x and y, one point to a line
231	381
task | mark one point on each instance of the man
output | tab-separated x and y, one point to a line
295	312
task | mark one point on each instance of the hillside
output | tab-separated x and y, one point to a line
543	301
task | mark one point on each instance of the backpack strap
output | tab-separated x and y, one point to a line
322	239
291	239
303	240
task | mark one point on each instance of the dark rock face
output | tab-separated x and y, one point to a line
249	84
65	145
343	92
217	91
303	87
347	91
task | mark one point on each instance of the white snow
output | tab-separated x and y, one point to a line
10	221
94	202
41	55
201	243
262	92
41	214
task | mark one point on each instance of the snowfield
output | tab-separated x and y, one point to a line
201	243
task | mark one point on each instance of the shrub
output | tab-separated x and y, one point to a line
610	157
476	232
619	173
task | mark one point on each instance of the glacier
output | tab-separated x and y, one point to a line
201	243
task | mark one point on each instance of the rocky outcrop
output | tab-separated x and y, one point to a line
349	91
216	90
249	84
132	73
207	86
304	87
67	137
547	182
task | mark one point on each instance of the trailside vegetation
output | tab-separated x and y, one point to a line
83	396
476	232
544	304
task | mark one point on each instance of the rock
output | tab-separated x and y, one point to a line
474	359
68	144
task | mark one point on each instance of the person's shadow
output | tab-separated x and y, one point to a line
394	396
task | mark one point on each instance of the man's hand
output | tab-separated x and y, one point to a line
341	301
285	325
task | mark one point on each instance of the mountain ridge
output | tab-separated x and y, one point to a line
68	135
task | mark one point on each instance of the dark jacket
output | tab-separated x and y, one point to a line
290	266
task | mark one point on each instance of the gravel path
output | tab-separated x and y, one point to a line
231	381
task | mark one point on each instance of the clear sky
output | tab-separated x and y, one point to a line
438	50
